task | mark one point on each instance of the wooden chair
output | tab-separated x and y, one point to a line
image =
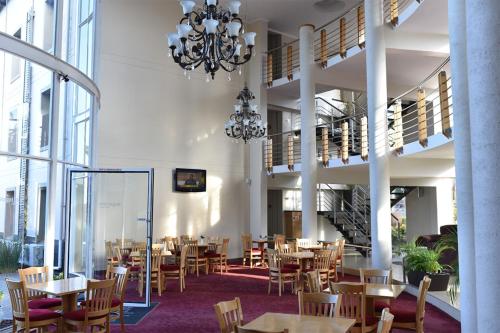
319	304
288	262
175	271
322	264
303	242
413	320
25	319
219	258
385	323
155	271
229	314
120	275
250	252
111	259
333	272
280	275
138	246
194	260
353	305
279	240
36	299
379	276
340	255
184	238
95	311
314	282
239	329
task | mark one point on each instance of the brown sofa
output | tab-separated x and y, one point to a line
430	241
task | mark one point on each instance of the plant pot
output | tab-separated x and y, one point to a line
439	281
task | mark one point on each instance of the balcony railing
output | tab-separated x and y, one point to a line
414	116
334	38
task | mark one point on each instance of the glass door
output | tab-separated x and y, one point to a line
109	223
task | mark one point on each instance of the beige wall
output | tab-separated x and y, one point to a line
152	116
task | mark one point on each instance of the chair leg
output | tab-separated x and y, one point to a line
279	286
269	287
122	320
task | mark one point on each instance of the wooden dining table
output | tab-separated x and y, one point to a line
66	289
274	322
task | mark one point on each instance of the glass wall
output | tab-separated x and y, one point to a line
32	184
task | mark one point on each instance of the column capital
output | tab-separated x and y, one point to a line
307	25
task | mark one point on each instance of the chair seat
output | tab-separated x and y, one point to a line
291	266
380	305
403	315
41	314
78	315
285	270
305	270
134	268
44	303
169	268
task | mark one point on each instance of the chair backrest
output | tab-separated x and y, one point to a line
380	276
99	296
353	300
239	329
314	281
120	274
228	314
422	294
279	240
155	259
185	238
385	323
293	246
18	298
319	304
192	246
273	260
117	253
138	246
157	246
225	245
246	241
33	275
285	248
340	248
303	242
182	262
322	260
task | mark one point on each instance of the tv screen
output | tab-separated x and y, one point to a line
190	180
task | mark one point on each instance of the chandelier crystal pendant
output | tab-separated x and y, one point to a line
211	36
245	123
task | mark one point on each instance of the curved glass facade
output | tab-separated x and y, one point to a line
45	123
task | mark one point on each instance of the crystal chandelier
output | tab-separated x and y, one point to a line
211	35
245	123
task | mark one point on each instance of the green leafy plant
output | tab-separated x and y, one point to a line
10	252
449	242
59	276
421	259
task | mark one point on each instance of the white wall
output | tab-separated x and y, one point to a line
152	116
421	213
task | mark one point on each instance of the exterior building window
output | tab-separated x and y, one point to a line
42	213
12	143
9	216
15	71
48	25
44	109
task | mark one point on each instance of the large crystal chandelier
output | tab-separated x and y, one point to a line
245	123
211	35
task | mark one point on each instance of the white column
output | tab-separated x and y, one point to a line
257	173
377	135
308	162
463	172
483	66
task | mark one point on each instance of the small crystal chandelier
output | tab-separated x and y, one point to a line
245	123
211	35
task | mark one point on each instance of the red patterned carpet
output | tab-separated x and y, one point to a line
192	311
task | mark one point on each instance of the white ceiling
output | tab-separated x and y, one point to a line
286	16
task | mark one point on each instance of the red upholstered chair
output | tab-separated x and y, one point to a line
250	252
36	299
219	258
287	261
280	275
353	305
176	271
413	319
25	319
120	275
194	258
95	311
323	260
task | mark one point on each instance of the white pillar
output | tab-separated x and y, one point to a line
257	173
483	66
308	162
463	172
377	135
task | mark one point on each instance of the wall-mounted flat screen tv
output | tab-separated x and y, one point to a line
190	180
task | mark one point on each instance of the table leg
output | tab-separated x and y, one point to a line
370	307
69	302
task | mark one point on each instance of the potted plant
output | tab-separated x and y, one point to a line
420	261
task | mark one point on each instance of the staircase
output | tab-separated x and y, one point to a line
349	211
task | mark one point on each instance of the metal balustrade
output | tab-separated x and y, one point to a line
412	117
332	39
